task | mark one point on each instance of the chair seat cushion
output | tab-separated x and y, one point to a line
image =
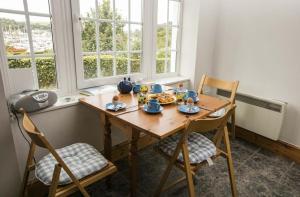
200	148
82	159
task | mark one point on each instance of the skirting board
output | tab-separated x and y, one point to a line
282	148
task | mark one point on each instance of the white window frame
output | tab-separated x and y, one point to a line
178	41
58	53
148	55
84	83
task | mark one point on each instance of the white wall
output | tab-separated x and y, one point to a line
63	127
258	43
10	178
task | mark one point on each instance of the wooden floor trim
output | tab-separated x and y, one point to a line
282	148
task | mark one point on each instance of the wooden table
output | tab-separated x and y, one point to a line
133	121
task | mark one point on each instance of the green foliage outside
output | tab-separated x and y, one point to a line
46	68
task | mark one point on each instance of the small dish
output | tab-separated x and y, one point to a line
216	114
188	110
196	99
113	107
145	109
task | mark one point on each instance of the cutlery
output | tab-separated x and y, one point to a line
125	112
205	108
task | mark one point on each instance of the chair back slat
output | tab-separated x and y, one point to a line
35	135
219	84
205	125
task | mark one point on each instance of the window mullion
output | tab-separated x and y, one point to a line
129	36
167	39
97	40
114	40
33	64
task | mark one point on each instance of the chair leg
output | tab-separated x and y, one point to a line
27	169
55	180
168	169
187	167
25	182
230	163
233	125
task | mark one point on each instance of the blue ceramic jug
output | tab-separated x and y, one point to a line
125	86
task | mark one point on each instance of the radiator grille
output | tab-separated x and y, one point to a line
252	101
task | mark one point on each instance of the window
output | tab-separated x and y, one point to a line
26	30
110	39
91	42
110	43
167	34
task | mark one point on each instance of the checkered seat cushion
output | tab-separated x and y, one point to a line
82	159
200	148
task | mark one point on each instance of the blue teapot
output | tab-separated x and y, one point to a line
125	86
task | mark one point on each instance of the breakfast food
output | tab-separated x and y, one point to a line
166	98
115	99
190	101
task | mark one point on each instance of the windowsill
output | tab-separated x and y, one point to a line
68	101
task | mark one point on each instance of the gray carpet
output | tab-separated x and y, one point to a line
258	172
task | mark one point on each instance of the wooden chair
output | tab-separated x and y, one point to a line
229	86
199	126
38	139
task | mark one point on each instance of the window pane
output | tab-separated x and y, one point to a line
160	61
136	37
121	37
105	9
106	64
46	72
121	10
15	34
19	63
105	36
87	8
88	36
174	12
162	8
136	10
122	63
40	6
135	62
12	4
173	61
172	38
168	61
41	35
90	66
161	37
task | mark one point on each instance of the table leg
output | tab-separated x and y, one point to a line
132	158
107	145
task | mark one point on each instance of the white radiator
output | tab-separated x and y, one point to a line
262	116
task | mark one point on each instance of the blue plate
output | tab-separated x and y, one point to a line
145	108
186	109
112	107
